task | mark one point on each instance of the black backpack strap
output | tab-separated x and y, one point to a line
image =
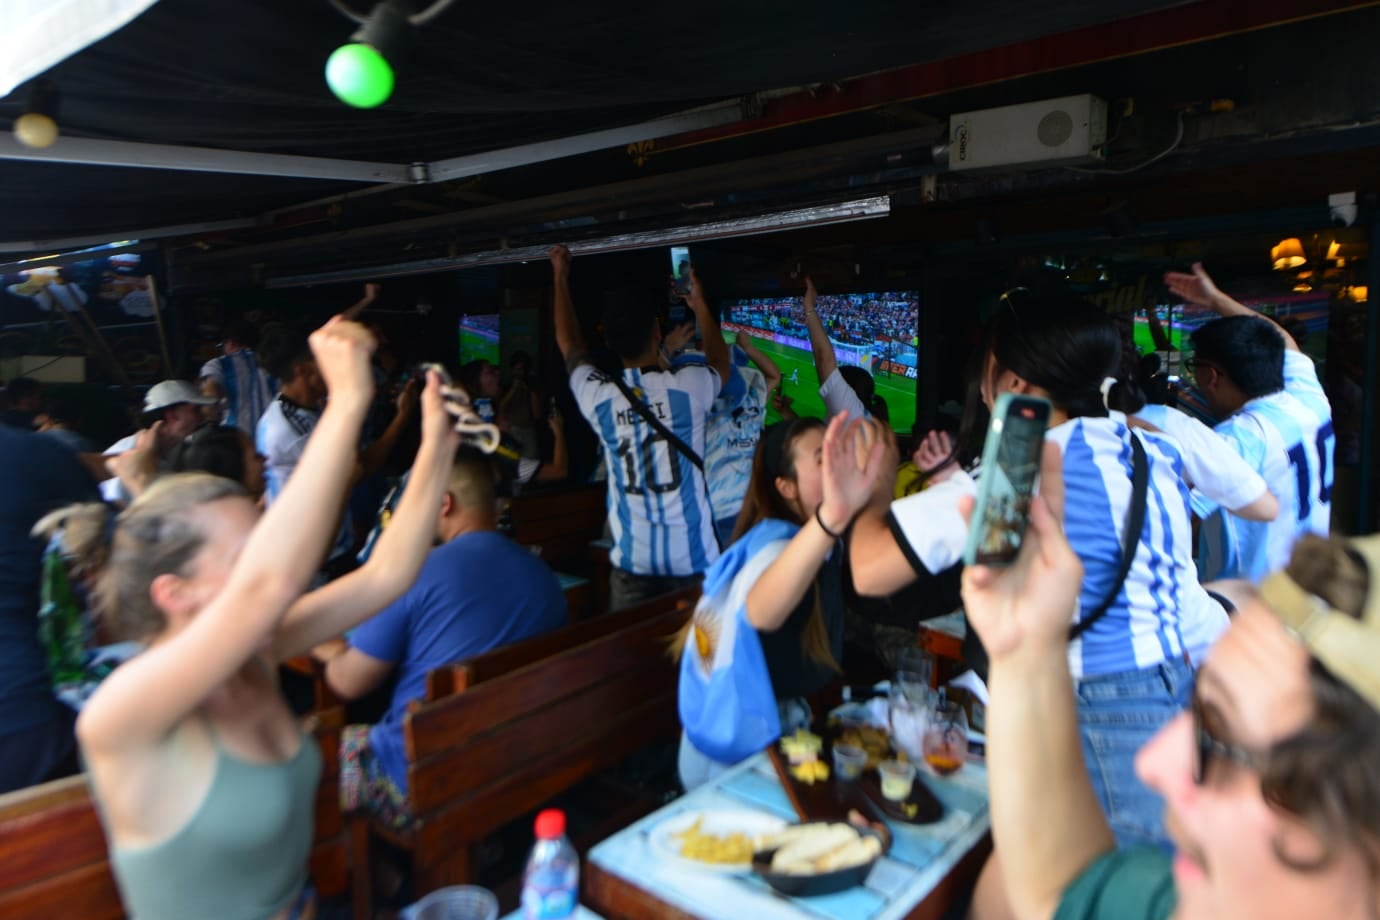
1135	522
650	418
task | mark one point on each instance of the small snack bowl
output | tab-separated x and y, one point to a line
897	779
849	761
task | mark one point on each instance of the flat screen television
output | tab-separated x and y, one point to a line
479	338
876	331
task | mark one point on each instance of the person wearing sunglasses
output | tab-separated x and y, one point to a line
1271	779
1274	414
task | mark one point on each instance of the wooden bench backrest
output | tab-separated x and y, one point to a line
562	523
481	758
465	674
53	857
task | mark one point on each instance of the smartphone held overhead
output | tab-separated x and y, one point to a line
1008	478
680	271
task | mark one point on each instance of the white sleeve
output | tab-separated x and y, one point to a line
1301	382
526	469
839	397
588	384
702	383
211	370
928	527
1213	467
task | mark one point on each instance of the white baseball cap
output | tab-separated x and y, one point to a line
172	393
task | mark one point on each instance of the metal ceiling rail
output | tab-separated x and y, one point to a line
817	216
714	116
92	152
148	233
95	152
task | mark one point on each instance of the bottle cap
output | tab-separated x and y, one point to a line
550	824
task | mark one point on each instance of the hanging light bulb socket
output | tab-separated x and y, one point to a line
38	126
360	72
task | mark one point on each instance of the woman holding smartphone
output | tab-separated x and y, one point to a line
1132	666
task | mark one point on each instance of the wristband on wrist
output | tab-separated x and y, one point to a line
825	527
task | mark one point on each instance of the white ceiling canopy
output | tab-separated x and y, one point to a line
36	34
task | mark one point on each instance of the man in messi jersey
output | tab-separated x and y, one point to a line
660	518
1276	417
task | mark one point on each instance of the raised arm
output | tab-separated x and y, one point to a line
569	339
373	457
766	365
715	348
1046	821
1198	288
371	293
402	547
820	346
559	467
848	482
150	694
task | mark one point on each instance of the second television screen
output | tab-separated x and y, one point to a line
875	331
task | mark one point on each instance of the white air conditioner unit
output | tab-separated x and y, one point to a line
1046	133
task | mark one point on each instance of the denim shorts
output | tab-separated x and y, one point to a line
1117	714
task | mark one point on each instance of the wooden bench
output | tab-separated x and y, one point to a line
508	741
561	523
462	675
53	856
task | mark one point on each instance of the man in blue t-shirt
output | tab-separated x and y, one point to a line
477	591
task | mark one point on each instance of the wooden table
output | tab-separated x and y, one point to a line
928	869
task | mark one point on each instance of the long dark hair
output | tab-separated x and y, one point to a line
1063	345
775	457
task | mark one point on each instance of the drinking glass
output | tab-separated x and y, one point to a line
909	716
916	664
946	738
458	902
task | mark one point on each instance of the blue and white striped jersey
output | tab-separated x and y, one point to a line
659	511
735	427
248	388
1161	611
1288	438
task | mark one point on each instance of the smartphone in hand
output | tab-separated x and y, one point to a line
1010	471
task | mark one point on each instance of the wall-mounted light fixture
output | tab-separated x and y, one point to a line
1288	254
38	126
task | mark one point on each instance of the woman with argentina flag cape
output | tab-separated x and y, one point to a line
768	630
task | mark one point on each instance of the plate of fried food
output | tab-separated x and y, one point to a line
821	857
720	841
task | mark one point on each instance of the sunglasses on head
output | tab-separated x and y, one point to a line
1208	746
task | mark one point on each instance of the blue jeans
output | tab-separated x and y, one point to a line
1117	714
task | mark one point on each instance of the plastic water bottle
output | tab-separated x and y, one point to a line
551	881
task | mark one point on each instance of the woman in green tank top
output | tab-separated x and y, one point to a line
204	778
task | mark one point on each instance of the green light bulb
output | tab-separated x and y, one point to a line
359	76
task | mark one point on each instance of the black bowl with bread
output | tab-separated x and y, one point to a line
821	857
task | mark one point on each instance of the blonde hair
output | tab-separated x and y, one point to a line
158	534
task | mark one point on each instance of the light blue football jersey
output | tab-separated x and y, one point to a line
659	514
1288	438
